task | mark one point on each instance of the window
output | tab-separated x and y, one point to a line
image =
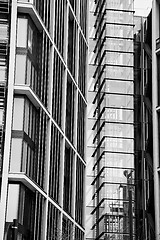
83	16
81	126
55	163
71	44
58	77
20	71
32	59
28	152
22	28
21	207
67	229
78	234
53	231
70	109
82	64
79	207
60	7
68	172
74	5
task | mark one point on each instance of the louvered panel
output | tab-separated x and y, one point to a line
4	6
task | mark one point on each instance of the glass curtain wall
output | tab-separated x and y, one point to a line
114	196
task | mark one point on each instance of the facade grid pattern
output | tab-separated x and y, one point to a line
111	114
44	164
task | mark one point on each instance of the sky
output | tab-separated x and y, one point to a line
142	7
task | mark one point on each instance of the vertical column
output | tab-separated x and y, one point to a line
155	31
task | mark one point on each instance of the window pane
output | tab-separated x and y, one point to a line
18	114
20	69
22	33
16	151
12	206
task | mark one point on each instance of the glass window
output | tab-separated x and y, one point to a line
58	76
16	155
30	38
122	101
68	180
81	126
53	231
27	117
59	21
18	114
70	98
20	69
13	202
82	64
71	44
55	163
79	204
21	207
22	32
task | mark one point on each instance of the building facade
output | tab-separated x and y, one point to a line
155	109
43	72
145	211
110	154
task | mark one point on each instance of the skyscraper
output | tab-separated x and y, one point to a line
43	70
110	154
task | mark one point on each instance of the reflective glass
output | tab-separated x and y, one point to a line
126	87
119	145
22	28
122	101
16	154
119	130
20	76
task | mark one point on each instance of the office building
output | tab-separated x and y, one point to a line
145	211
110	195
43	72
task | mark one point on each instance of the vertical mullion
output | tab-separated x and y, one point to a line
39	147
44	69
56	164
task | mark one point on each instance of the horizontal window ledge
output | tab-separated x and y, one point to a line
23	178
115	10
29	8
27	91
